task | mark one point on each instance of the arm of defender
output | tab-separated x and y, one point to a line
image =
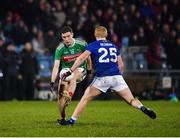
120	63
80	60
89	63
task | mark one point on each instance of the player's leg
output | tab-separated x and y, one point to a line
129	98
62	111
66	91
71	87
61	102
120	86
90	93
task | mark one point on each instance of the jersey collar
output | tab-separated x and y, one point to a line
100	39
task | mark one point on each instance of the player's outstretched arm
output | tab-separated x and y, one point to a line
89	63
80	60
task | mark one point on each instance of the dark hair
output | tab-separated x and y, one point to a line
66	29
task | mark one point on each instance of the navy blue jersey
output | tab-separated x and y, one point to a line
104	55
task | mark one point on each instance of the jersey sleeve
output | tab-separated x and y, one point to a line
84	45
90	48
58	52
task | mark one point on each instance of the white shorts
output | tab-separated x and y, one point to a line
115	82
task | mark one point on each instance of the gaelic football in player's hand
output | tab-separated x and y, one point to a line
66	74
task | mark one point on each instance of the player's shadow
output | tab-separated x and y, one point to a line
95	124
50	123
46	123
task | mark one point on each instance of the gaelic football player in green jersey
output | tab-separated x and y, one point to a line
65	56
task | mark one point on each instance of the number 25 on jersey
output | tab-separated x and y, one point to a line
108	55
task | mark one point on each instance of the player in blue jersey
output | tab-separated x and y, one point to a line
109	68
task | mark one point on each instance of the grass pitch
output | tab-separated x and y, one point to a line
101	118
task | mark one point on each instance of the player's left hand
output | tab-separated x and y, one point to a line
52	87
66	74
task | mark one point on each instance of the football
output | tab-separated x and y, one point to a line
66	70
83	71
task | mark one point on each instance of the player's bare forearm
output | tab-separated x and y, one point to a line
80	60
55	70
89	63
54	74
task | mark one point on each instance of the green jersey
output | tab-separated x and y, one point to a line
68	54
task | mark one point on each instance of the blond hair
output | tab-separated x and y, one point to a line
100	31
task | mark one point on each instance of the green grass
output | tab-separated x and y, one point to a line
101	118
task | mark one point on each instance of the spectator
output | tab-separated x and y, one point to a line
125	26
153	55
146	9
50	41
59	14
38	43
72	19
21	32
83	16
10	72
28	72
30	12
166	40
8	26
46	16
153	43
138	38
88	26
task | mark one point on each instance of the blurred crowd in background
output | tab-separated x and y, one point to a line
32	27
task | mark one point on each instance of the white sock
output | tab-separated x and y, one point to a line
73	118
139	106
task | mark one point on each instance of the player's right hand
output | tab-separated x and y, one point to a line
66	74
52	87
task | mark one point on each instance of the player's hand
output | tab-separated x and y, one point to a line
89	71
66	74
52	87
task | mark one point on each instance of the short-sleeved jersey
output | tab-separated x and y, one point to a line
104	54
68	54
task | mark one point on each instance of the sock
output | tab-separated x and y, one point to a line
141	107
72	120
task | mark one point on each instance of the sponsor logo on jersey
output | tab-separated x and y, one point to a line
72	51
70	58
